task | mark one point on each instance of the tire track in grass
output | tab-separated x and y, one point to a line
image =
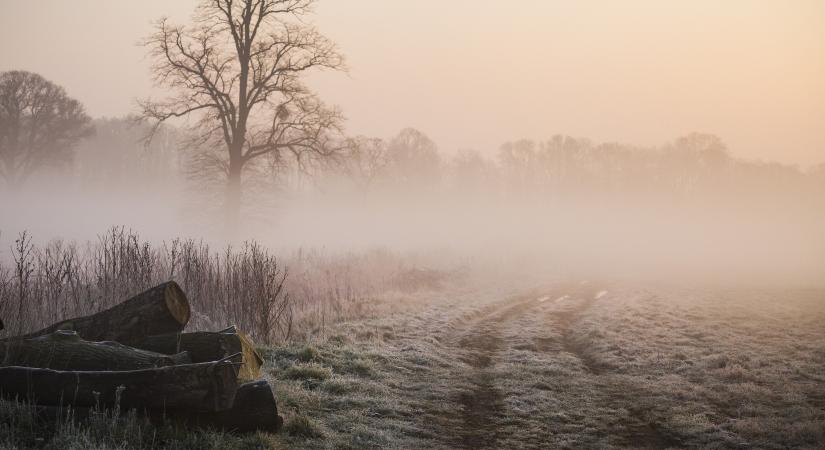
637	430
481	407
480	418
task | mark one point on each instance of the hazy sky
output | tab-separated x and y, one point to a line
474	73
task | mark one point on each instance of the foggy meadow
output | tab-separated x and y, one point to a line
504	285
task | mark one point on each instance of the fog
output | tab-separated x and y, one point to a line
564	206
634	193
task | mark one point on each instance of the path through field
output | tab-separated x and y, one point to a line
483	392
576	364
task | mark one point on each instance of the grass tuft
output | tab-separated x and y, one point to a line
306	372
308	354
302	426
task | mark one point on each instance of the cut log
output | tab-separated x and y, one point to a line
254	410
65	350
162	309
196	387
208	346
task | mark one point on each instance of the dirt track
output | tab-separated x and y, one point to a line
478	340
577	365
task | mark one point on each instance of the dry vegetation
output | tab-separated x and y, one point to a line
372	352
244	285
557	367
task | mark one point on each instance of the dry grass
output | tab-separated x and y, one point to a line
557	368
275	300
467	364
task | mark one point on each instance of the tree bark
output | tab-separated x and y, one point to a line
254	410
65	350
206	387
232	206
162	309
208	346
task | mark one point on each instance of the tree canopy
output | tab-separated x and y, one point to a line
39	125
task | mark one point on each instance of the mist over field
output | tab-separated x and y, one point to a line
427	224
593	210
622	197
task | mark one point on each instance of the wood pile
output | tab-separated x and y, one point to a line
135	355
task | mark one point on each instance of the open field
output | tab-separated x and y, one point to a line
569	364
576	365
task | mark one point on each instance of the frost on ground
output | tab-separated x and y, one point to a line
566	365
559	365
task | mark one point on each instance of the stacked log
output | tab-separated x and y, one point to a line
162	309
135	356
66	350
205	346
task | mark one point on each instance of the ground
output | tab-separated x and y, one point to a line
564	364
567	365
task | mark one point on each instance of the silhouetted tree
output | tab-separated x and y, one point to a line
471	172
366	160
39	125
413	158
519	163
693	160
237	71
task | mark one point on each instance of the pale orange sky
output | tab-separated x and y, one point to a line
474	73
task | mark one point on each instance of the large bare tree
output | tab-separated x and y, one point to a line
236	72
39	125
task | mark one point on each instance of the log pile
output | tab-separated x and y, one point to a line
135	356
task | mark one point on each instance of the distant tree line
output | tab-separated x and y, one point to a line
694	166
43	129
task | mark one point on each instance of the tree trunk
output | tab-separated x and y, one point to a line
254	409
207	346
232	206
162	309
65	350
196	387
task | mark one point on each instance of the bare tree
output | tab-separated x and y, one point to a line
366	160
237	72
39	125
414	159
471	172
